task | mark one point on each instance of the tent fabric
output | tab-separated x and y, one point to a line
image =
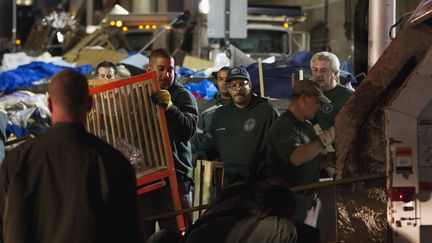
26	75
278	75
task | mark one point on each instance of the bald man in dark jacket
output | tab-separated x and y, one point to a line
67	185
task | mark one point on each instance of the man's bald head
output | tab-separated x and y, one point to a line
68	92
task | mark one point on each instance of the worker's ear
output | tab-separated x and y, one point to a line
335	77
50	107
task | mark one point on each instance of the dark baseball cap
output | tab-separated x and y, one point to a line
310	88
238	72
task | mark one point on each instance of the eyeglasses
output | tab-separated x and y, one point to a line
233	85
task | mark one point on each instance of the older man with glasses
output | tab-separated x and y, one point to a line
239	128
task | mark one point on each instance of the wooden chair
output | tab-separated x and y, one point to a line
206	174
124	116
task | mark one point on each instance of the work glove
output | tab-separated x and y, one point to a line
327	137
162	98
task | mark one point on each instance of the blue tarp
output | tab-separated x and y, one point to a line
26	75
202	90
277	75
185	72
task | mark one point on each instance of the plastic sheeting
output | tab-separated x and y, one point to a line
185	72
26	75
202	90
27	113
25	99
33	124
14	60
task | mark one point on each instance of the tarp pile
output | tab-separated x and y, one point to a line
27	113
27	75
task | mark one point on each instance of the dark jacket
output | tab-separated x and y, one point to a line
285	135
205	118
181	120
67	186
238	135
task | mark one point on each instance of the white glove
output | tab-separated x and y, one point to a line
327	137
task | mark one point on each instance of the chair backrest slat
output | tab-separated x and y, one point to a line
124	116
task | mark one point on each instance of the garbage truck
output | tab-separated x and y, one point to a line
269	32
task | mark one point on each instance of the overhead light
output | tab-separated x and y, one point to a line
119	23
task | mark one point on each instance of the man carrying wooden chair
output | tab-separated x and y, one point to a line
181	113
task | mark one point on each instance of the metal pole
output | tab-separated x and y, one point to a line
14	25
261	77
382	15
227	22
89	12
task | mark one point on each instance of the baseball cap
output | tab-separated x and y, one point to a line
310	88
238	72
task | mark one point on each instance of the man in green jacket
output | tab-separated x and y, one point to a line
238	129
293	148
